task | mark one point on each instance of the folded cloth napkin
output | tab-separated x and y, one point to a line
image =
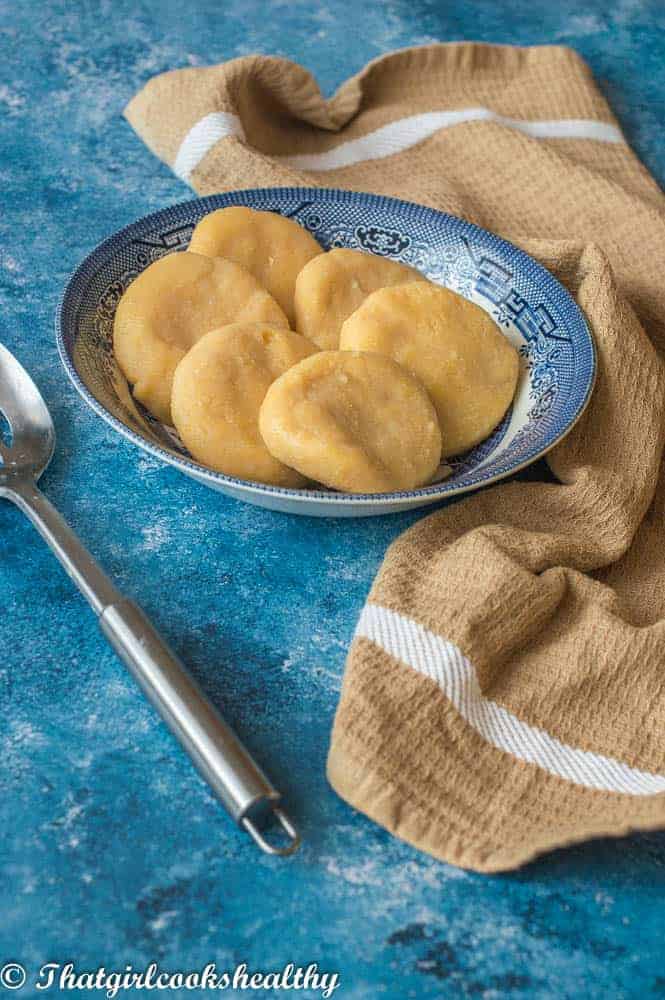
505	690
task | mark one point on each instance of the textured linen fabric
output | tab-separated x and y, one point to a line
548	599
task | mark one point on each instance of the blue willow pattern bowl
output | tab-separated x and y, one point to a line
534	311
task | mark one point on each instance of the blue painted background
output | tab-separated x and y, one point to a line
111	850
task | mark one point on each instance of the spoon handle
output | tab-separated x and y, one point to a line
220	757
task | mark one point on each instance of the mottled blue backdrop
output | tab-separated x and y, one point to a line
111	850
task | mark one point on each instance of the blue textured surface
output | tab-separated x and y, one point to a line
111	850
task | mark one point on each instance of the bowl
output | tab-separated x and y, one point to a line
534	311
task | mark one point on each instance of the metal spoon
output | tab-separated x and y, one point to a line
215	750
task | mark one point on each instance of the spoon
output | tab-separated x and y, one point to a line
224	763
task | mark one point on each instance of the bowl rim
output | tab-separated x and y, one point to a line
84	270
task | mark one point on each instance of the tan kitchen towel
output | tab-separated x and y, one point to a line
505	691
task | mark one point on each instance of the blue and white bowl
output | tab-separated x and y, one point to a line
532	309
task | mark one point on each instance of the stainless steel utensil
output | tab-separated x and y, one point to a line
215	750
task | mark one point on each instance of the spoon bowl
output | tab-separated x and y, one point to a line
32	435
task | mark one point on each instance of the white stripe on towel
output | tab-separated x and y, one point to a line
385	141
400	135
445	664
202	137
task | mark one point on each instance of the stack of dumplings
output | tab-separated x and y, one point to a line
282	364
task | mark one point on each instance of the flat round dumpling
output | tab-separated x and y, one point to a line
169	306
218	388
272	247
356	422
453	346
334	284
